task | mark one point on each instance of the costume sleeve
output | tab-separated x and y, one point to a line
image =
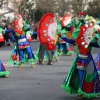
7	31
68	40
95	44
96	41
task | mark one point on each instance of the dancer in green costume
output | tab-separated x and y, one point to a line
83	78
64	47
22	52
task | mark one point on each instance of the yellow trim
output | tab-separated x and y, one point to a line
56	38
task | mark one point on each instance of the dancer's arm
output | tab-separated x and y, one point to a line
95	44
69	40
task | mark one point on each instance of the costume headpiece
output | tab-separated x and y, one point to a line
81	13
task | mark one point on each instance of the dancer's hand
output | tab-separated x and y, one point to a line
59	35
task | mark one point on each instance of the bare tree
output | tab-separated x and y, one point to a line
1	3
8	8
94	8
77	6
54	6
17	6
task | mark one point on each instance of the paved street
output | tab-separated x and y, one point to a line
40	83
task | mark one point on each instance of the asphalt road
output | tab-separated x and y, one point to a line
40	83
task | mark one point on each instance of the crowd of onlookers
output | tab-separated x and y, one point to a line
8	38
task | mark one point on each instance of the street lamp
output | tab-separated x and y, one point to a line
33	7
26	14
83	5
82	8
33	15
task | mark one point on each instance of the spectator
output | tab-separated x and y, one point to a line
1	37
3	26
10	33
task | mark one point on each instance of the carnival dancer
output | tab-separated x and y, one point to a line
3	71
22	50
83	78
64	47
